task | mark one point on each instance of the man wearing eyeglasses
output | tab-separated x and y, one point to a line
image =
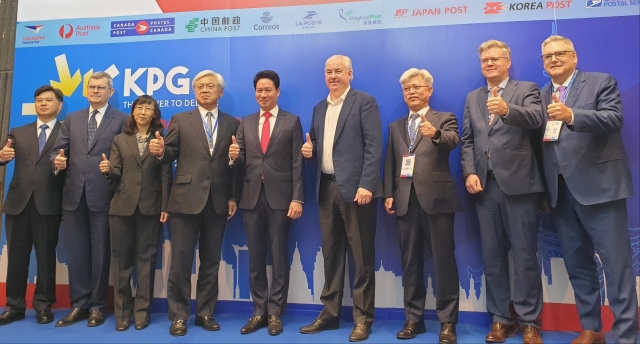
419	190
588	179
84	137
502	175
203	198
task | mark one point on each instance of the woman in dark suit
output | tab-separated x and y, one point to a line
137	210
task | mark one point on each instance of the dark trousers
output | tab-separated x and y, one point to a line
209	226
345	222
266	227
27	229
510	222
133	239
418	230
88	251
601	229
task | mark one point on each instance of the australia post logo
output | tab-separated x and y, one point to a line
160	26
67	31
498	7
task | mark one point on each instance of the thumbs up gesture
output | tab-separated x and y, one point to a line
7	153
156	146
104	164
61	161
558	111
307	148
234	149
496	104
426	128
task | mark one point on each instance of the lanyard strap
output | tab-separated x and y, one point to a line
208	132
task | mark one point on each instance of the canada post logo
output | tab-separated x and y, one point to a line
493	8
160	26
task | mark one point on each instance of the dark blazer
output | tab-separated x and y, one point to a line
357	144
591	152
508	140
142	182
198	173
32	173
282	164
432	178
82	164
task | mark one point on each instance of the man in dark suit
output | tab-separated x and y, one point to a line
501	172
588	179
346	138
33	209
84	136
203	197
268	146
418	182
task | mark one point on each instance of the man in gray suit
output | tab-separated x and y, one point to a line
203	197
33	209
588	180
84	136
418	182
501	173
268	147
346	138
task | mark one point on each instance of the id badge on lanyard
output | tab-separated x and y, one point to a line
408	161
553	128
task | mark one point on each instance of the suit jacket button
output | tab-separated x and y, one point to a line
37	165
208	177
583	129
556	143
88	156
489	136
32	182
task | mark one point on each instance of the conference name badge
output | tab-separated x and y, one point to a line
408	161
552	131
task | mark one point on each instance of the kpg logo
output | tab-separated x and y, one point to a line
66	31
401	12
493	8
142	27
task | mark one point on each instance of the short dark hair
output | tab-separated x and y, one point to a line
48	88
156	122
267	74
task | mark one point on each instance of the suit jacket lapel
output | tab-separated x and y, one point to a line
576	87
84	127
198	128
223	121
33	138
50	141
106	119
252	125
280	120
403	130
349	100
132	142
482	104
322	115
429	116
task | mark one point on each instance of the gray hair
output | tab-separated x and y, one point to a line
208	72
346	60
410	73
557	38
492	43
102	75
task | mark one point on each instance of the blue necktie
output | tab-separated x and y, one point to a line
42	138
92	129
412	128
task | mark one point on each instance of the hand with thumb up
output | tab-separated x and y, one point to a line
426	128
234	148
307	148
496	104
7	153
105	166
61	161
156	146
558	111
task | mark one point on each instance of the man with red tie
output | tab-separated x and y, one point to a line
268	145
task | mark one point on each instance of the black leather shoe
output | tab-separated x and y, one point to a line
254	324
208	323
319	326
96	318
141	325
44	316
178	328
360	332
76	314
7	317
448	333
411	329
122	326
275	325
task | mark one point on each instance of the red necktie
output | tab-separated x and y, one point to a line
266	132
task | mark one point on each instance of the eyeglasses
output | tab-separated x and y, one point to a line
414	88
201	88
558	54
100	88
493	60
144	108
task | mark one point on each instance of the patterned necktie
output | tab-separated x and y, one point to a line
266	132
412	128
492	116
42	138
210	127
561	90
92	129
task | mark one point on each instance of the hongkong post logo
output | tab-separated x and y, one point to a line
161	26
66	31
493	7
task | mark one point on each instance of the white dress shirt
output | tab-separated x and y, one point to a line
330	124
47	131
